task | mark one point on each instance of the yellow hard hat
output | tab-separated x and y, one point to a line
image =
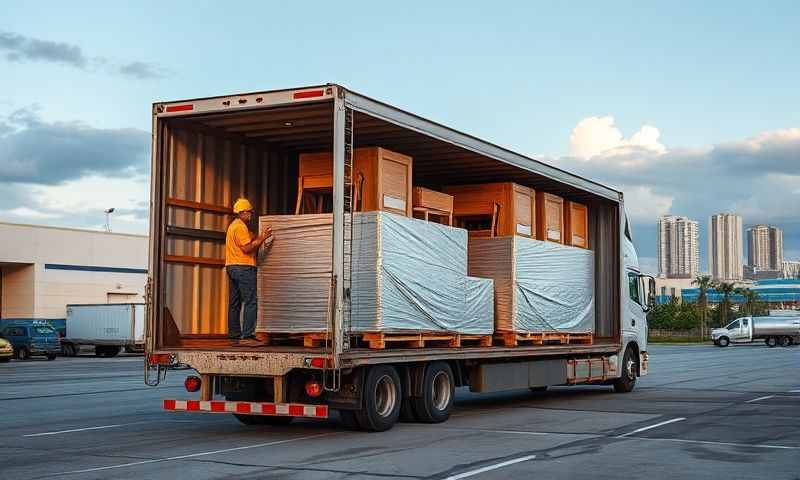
242	205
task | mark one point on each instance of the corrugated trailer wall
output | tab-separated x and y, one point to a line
213	171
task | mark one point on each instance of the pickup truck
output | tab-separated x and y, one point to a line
778	330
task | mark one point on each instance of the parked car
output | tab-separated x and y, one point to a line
32	338
6	350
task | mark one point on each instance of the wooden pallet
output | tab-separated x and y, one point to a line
307	340
382	340
513	339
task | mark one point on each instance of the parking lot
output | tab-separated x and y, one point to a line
703	412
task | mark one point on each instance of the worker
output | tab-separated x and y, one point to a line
240	265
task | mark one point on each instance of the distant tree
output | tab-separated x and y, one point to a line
750	300
726	289
703	283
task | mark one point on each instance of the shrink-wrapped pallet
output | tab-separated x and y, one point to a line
539	286
407	275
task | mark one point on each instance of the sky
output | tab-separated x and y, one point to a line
691	109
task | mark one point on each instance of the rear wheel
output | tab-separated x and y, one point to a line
438	392
627	380
111	351
772	342
51	356
23	354
723	341
785	341
382	398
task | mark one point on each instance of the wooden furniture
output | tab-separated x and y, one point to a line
429	202
381	180
494	209
576	225
550	217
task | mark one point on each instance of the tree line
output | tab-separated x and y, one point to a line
677	315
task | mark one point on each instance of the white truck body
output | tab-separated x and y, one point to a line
106	325
773	330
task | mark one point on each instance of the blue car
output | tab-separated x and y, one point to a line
32	338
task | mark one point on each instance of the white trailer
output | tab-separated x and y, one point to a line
776	330
107	327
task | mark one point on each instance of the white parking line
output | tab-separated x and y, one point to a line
78	430
491	467
193	455
760	398
726	444
650	427
794	391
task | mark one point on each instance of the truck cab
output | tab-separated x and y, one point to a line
639	300
32	339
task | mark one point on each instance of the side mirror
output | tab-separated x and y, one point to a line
651	292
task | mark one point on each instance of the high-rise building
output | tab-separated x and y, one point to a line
678	247
725	249
765	247
791	269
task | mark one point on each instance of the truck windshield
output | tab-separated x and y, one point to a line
733	325
44	331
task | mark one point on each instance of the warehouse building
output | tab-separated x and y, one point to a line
42	269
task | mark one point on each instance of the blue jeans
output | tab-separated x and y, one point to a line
241	289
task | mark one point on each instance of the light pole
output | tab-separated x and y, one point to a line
108	211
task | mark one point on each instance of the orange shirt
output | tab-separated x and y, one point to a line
238	235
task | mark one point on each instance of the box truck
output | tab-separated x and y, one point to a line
206	152
107	327
781	329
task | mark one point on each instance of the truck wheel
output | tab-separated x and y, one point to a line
438	392
98	350
51	356
382	398
5	360
723	342
785	341
23	354
772	342
627	380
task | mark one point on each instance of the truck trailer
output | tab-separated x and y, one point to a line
783	330
206	152
107	327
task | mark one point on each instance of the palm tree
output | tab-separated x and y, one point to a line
750	299
703	283
726	289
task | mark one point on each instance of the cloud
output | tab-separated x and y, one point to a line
36	151
599	136
757	177
19	48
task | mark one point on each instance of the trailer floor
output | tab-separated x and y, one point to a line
703	412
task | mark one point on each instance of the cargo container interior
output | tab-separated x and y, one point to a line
203	162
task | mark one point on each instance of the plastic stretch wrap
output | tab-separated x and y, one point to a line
539	286
407	275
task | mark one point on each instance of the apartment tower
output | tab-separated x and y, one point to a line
725	247
678	247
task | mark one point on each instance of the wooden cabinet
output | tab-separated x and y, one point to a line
550	217
429	202
576	225
494	209
381	177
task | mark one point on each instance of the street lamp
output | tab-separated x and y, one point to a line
108	211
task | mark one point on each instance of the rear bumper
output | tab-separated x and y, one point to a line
248	408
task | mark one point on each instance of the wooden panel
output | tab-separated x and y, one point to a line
427	198
218	262
494	258
312	164
205	207
550	217
515	202
395	181
576	225
524	199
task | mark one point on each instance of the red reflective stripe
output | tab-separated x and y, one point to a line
169	404
321	411
180	108
308	94
296	410
268	408
217	406
242	407
192	405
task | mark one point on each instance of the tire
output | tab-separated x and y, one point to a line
51	356
538	389
23	354
111	351
70	350
438	393
785	341
348	419
627	380
771	342
5	359
723	342
382	398
99	350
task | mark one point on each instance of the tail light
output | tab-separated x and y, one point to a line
161	359
192	383
313	388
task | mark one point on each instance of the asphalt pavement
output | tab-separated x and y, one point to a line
703	412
